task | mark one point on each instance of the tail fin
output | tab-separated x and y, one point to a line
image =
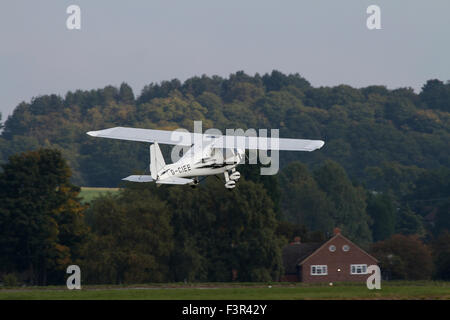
156	160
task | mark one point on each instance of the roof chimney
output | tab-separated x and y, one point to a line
337	231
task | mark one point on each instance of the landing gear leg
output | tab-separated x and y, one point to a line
229	184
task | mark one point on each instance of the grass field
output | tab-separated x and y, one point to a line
251	291
88	193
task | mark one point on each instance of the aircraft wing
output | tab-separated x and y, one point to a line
138	178
268	143
184	138
174	180
145	135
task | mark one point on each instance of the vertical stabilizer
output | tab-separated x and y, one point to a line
156	160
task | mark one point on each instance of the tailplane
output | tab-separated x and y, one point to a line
156	160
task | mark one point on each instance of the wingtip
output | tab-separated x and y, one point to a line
92	133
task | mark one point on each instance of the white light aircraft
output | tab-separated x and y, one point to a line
204	157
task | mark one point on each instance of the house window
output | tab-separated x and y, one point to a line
358	269
318	270
332	248
345	247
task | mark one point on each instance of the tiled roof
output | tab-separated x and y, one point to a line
294	253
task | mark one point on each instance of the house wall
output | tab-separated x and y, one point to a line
336	260
290	278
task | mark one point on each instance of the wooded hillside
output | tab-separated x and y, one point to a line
370	131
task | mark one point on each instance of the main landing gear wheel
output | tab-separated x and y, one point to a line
195	183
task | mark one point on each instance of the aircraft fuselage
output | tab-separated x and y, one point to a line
211	162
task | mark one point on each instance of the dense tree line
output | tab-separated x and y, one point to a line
370	131
325	199
382	177
176	233
142	234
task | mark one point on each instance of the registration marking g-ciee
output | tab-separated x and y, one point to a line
181	169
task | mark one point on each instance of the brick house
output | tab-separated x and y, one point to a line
337	259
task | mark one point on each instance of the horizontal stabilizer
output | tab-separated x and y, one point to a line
138	178
175	180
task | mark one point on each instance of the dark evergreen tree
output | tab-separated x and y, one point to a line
381	208
126	94
409	223
303	202
349	203
436	95
41	217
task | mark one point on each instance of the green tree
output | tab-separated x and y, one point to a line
126	94
381	208
435	95
41	217
349	203
106	163
409	223
277	80
224	235
430	198
393	178
304	203
154	90
269	182
131	241
399	110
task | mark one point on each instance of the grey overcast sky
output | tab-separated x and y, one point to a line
140	42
